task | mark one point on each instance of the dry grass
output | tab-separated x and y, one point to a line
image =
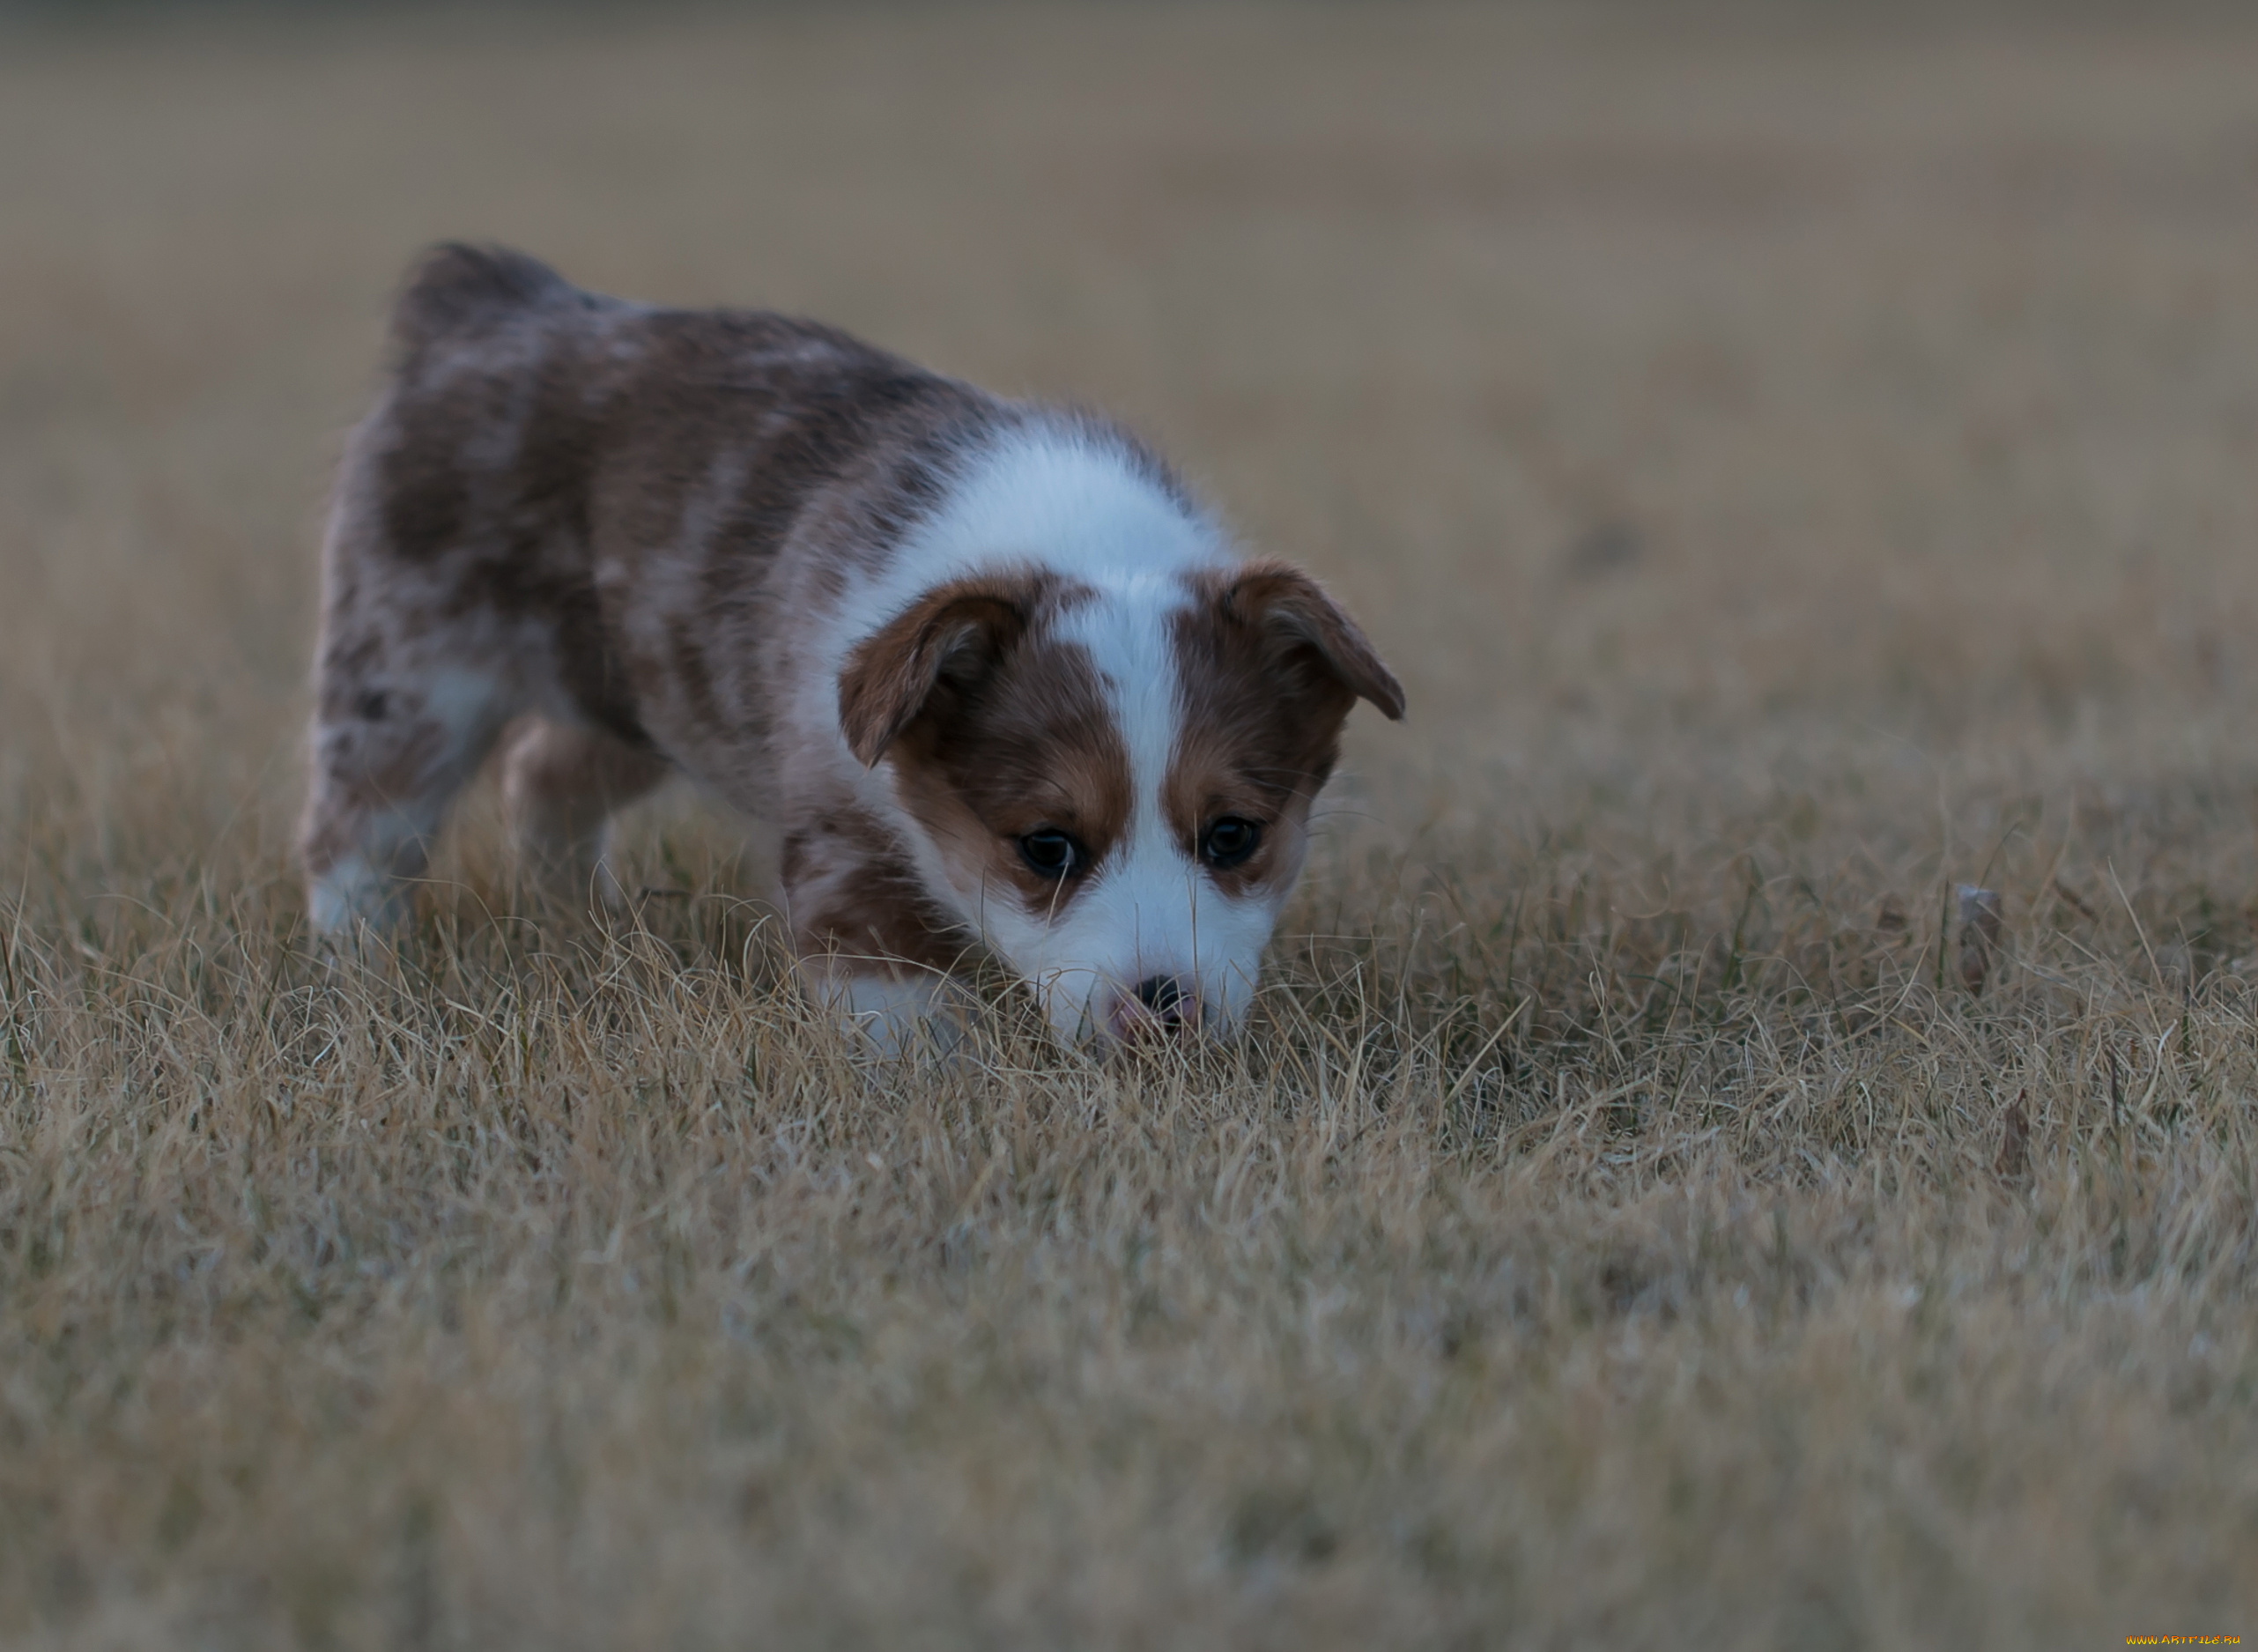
1796	469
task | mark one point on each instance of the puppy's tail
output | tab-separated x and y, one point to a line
457	291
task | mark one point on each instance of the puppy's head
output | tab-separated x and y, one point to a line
1113	780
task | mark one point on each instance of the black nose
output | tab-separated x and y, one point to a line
1164	996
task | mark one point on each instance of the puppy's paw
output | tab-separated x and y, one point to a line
353	900
894	1017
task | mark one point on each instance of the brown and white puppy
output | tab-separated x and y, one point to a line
993	674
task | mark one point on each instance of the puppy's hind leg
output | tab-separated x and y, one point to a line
394	742
561	784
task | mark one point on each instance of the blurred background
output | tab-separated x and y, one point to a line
1831	414
1799	457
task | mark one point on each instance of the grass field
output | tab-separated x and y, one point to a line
1796	469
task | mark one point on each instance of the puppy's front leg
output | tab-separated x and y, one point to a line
889	1014
873	948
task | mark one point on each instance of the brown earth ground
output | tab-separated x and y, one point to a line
1797	467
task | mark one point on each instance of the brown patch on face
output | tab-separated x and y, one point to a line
1268	666
996	728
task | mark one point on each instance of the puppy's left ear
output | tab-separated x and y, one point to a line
1295	613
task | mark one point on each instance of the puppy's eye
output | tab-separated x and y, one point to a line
1230	841
1051	853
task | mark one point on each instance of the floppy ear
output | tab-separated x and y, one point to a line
953	635
1294	612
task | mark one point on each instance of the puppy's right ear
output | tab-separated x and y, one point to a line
949	639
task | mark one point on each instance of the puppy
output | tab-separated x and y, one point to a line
992	673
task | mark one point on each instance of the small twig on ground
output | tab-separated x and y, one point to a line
2014	1160
2069	897
1980	922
